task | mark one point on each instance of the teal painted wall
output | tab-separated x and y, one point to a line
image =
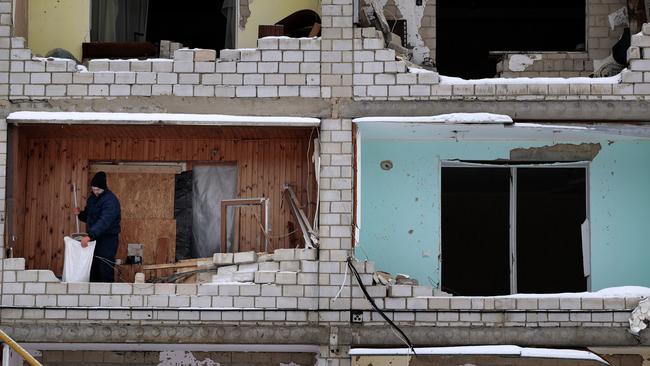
400	208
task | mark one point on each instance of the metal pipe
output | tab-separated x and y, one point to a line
18	349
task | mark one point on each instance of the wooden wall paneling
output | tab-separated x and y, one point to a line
264	165
149	232
19	183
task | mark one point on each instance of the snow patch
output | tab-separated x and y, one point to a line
577	80
169	118
503	350
473	118
622	291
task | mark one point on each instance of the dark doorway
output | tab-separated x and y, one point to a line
468	30
475	244
551	207
195	24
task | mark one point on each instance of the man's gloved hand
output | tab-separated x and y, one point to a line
84	241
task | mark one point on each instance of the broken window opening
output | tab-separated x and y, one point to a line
135	28
468	31
526	231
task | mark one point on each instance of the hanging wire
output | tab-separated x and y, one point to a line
402	336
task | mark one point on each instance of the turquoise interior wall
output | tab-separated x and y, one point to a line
400	208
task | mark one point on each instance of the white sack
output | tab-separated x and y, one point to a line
77	260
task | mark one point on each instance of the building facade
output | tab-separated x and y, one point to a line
298	111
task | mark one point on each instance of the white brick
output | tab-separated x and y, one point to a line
188	79
204	55
224	91
119	65
265	276
125	78
161	90
184	54
284	255
223	258
250	55
267	67
83	78
268	43
271	55
118	90
159	65
211	79
204	67
141	66
226	67
286	278
183	90
183	66
167	78
267	91
229	55
245	257
98	65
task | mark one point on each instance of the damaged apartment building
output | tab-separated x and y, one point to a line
332	182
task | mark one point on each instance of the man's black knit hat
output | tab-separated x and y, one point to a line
99	180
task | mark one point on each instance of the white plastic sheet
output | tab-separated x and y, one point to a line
211	185
77	260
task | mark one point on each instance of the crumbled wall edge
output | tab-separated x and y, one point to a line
640	317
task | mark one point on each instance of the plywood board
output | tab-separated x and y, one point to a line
157	235
143	195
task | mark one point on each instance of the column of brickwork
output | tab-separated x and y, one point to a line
336	49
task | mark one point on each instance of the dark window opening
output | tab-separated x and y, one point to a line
134	28
468	30
476	218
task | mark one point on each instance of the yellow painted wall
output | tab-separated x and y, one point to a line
267	12
58	24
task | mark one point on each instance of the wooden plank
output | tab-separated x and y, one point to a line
149	232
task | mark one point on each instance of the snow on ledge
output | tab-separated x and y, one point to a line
504	350
473	118
622	291
158	118
524	80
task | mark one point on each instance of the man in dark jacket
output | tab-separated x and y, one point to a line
102	217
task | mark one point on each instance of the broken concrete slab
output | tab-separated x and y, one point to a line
558	152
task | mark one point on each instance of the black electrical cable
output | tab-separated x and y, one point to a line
377	309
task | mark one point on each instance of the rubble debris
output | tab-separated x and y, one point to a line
382	278
640	317
403	279
309	235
